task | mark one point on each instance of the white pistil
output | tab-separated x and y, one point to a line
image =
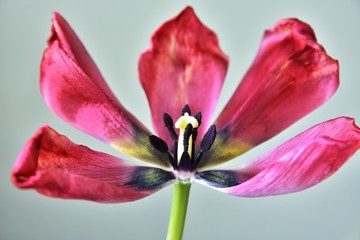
181	124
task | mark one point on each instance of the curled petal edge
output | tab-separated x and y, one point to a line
56	167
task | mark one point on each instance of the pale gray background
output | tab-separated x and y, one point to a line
115	33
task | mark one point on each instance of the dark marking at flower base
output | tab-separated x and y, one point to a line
141	138
146	178
222	178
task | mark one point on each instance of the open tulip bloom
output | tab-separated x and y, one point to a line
182	74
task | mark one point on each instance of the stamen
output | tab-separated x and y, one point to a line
187	135
197	160
173	161
169	124
185	162
205	145
198	117
162	147
194	134
175	152
186	109
182	157
158	144
208	139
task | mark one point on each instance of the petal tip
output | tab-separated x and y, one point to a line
56	16
296	27
57	21
26	164
187	12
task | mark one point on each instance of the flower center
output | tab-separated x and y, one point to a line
182	155
186	124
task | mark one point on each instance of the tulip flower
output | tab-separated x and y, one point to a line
182	74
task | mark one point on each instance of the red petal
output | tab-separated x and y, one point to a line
301	162
74	89
54	166
183	66
291	76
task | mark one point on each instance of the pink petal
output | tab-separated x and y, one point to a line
301	162
54	166
291	76
74	89
183	66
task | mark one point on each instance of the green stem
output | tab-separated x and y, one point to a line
178	211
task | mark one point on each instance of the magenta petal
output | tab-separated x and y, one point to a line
183	66
70	44
54	166
299	163
74	89
291	76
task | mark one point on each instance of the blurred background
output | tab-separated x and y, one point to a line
115	33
